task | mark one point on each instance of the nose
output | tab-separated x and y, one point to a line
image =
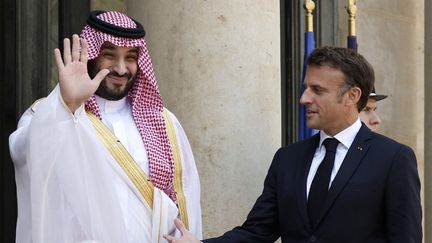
305	97
120	67
375	119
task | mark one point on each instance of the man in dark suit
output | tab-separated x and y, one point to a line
346	184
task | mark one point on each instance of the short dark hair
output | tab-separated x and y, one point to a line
357	70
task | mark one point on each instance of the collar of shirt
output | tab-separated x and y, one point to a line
345	137
110	106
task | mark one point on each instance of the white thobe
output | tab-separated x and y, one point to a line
70	189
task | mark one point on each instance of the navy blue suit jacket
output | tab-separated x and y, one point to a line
374	198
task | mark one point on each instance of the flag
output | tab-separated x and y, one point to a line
304	131
352	42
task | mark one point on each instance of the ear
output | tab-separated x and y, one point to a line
353	96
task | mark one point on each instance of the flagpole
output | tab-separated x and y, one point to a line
352	11
309	6
352	36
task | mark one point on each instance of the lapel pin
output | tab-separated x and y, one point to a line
360	148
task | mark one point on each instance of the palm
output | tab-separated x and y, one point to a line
75	82
76	86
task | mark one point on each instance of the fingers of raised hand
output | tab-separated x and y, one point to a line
76	48
84	52
78	51
58	58
66	51
100	76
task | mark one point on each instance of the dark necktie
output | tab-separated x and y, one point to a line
320	183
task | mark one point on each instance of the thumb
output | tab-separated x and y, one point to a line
179	224
100	75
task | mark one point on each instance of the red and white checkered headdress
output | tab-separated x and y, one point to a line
144	96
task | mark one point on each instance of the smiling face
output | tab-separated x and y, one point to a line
331	105
122	62
369	115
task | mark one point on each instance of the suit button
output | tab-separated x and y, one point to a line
313	238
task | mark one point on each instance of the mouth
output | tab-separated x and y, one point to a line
310	113
117	80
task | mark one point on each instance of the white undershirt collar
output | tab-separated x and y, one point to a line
111	106
345	137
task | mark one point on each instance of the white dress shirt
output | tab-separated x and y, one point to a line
117	115
345	138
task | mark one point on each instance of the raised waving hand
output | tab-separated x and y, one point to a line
76	86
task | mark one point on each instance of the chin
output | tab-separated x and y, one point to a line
312	125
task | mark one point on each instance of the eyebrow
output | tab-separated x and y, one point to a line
107	47
315	86
134	50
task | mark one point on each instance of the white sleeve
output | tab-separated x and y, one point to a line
18	139
64	193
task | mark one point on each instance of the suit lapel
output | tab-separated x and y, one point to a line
302	174
352	160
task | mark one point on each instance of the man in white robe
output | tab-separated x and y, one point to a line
100	159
